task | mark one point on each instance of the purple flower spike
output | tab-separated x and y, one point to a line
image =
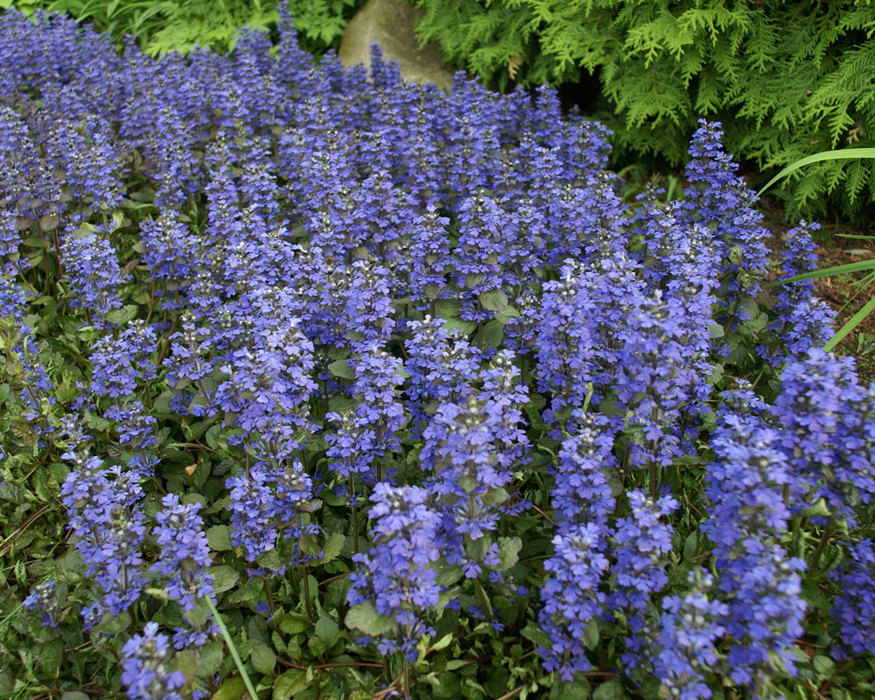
397	574
184	551
145	667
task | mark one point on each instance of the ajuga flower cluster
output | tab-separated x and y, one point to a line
402	385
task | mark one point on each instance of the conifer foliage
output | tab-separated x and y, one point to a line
786	79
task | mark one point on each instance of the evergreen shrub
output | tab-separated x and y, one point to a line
785	79
316	386
162	27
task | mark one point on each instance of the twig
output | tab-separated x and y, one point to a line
389	688
812	689
41	462
7	543
333	578
538	510
339	664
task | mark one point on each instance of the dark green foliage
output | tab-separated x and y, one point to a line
162	27
786	79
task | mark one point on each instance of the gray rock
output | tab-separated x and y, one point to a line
391	23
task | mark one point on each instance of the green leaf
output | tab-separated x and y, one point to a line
691	545
49	222
231	689
447	308
339	368
472	279
505	316
332	499
248	593
341	404
214	438
819	509
271	559
327	629
493	300
823	665
262	657
113	624
715	330
448	575
219	538
534	633
122	315
443	642
578	689
493	333
494	497
51	656
612	690
591	634
293	624
147	194
40	243
447	686
365	618
210	657
479	548
290	684
332	547
200	613
224	577
457	324
508	552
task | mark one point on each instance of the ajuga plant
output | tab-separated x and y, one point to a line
787	80
318	384
162	27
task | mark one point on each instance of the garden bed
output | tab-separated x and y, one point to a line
317	386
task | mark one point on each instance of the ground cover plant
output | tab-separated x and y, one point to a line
786	79
321	387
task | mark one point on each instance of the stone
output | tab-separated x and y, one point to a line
391	24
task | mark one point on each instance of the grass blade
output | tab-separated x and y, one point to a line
852	323
829	271
230	642
841	154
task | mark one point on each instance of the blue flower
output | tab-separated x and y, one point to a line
184	553
146	667
683	654
582	500
746	484
268	501
804	321
854	608
106	515
92	269
119	363
397	573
